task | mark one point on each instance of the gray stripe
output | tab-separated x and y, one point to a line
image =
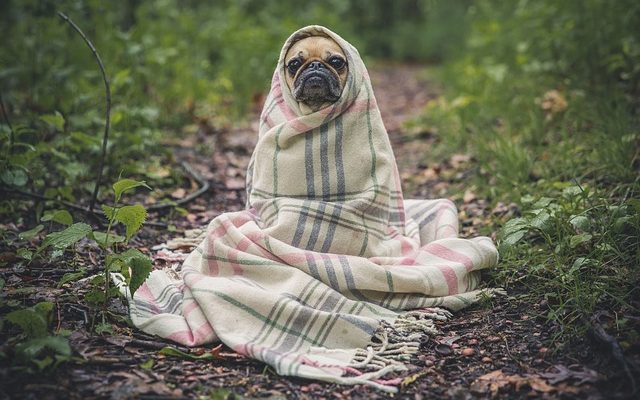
297	236
308	159
339	161
428	218
331	272
324	161
348	277
317	224
333	224
313	268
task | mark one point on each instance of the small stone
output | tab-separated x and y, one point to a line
472	342
543	350
487	360
468	352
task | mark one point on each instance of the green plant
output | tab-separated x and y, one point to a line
578	247
131	263
36	348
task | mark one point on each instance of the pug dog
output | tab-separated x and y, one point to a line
316	71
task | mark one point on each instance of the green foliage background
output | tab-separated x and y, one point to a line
170	62
174	62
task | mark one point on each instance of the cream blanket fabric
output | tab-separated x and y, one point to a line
327	254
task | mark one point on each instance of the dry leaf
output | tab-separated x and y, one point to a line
495	380
553	102
580	373
179	193
458	160
469	196
412	378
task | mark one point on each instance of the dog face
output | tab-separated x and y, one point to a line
316	71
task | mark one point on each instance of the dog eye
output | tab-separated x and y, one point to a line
336	62
293	66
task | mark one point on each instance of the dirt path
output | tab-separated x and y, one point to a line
498	348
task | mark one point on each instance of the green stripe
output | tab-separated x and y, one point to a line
230	300
389	281
358	213
371	147
312	213
396	195
243	262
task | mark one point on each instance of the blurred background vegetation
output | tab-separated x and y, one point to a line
171	62
543	94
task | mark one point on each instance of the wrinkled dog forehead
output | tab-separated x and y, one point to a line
319	47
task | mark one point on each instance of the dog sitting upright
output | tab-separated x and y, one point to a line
316	71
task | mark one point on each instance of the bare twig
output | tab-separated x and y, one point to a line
204	187
599	333
98	214
5	115
107	117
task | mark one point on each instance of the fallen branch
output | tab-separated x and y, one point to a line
204	187
107	117
98	214
599	333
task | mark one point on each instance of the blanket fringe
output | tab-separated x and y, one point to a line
392	346
192	238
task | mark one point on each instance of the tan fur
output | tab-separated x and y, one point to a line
315	48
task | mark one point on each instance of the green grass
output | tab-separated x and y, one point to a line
556	133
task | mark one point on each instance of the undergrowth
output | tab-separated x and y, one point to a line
545	98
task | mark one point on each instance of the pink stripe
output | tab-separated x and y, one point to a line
192	338
289	114
395	381
407	261
450	277
448	254
360	106
145	293
307	361
232	255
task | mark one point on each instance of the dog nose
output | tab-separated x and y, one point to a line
316	65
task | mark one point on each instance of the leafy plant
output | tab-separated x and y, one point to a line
131	263
578	249
38	348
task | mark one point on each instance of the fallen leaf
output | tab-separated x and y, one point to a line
560	373
458	160
179	193
553	102
412	378
468	352
469	196
495	380
430	174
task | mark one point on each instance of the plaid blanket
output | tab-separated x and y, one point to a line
329	273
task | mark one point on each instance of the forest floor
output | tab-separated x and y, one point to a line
502	348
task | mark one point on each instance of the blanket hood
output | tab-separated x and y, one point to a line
335	161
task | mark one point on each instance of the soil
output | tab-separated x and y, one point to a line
501	348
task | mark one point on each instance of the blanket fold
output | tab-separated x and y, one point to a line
327	255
